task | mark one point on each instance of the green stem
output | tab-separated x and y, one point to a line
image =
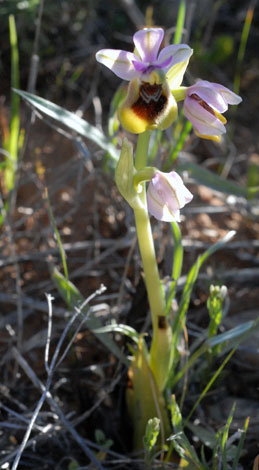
142	150
159	360
145	240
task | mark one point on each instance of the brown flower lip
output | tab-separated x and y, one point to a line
151	101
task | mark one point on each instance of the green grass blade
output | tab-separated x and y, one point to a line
240	445
210	383
13	142
72	121
177	263
180	319
179	145
194	271
242	47
60	246
180	22
224	438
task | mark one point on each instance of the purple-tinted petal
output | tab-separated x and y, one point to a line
158	209
164	64
183	194
202	120
209	94
228	96
178	52
166	195
140	66
120	62
147	42
167	191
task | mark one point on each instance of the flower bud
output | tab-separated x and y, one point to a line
166	195
203	106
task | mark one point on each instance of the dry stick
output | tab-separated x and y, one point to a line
124	242
18	416
46	394
127	243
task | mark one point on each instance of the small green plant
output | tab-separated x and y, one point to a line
148	106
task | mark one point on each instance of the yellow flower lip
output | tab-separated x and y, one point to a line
148	105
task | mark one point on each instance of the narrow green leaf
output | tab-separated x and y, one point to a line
180	318
224	438
227	340
187	127
121	329
213	181
93	323
177	263
242	47
234	334
206	436
209	385
70	120
60	246
67	289
240	445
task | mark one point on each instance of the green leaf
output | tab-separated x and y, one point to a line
67	289
70	120
76	299
227	340
121	329
233	335
206	436
213	181
180	318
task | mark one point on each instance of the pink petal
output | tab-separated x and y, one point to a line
209	94
148	42
178	52
203	121
158	209
120	62
166	194
228	96
183	194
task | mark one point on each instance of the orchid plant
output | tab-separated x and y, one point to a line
155	88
